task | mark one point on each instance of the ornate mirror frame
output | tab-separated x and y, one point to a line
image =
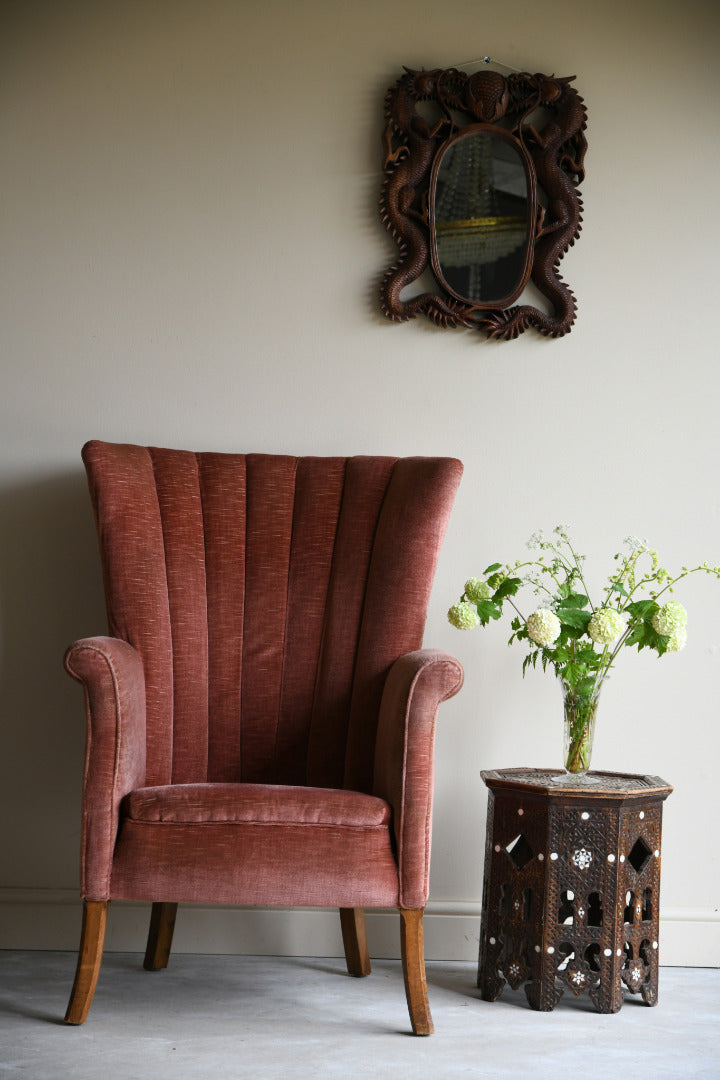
545	118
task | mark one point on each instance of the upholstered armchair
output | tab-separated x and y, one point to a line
260	721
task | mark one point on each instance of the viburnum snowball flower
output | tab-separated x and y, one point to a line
606	625
677	639
671	617
543	626
463	616
476	590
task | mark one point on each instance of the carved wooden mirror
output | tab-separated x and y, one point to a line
481	189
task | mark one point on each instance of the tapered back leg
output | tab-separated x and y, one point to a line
352	922
160	936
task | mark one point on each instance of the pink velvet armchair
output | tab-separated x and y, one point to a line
260	723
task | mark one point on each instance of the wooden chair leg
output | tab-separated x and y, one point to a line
413	962
352	923
92	939
160	935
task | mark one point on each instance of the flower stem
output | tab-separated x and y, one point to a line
580	574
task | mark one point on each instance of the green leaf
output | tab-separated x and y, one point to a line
508	587
573	674
575	617
488	610
656	641
642	632
642	608
491	569
576	600
661	644
636	636
618	588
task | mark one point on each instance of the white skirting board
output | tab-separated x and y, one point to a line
50	919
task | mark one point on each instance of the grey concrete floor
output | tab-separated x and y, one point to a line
266	1017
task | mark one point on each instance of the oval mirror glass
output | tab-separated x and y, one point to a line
482	216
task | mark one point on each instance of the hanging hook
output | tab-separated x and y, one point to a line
487	60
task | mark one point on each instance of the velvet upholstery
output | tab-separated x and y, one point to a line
271	844
260	721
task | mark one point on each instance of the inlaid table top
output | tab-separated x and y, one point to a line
554	782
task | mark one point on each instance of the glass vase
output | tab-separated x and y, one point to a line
580	712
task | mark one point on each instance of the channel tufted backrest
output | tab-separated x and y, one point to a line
268	597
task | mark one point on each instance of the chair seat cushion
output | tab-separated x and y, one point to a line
255	844
259	803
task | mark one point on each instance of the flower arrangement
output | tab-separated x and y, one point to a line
578	639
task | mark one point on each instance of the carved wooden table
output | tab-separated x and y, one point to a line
572	887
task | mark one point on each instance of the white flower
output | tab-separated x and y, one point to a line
476	590
463	616
543	626
670	618
606	625
677	639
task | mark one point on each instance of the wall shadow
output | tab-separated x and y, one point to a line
50	594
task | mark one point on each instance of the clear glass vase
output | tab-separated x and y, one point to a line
580	712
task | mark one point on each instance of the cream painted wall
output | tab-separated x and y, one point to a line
191	251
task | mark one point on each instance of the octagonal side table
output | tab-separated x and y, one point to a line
572	886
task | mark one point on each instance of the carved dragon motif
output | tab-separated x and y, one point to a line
410	144
558	153
557	150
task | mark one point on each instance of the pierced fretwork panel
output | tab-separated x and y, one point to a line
640	880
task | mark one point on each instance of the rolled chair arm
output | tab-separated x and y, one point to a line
112	675
415	686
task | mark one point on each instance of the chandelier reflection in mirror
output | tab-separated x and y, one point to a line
481	186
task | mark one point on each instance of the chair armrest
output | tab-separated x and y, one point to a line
112	675
404	753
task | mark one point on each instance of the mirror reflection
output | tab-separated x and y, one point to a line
482	207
